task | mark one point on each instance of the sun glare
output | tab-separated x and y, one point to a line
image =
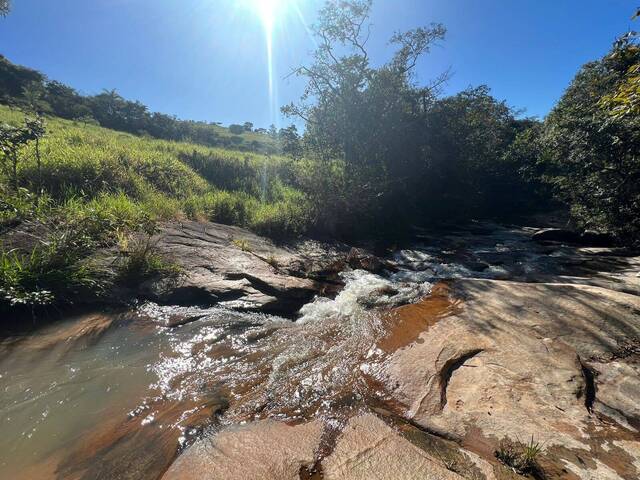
275	17
268	11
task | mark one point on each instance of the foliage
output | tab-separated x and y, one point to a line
589	157
522	458
242	244
5	7
90	188
139	260
383	150
30	89
470	167
13	140
625	100
55	269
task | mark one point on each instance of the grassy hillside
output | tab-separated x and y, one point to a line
100	188
89	167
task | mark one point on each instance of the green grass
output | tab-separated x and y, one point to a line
121	175
107	184
522	458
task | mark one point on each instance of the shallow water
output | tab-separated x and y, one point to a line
103	394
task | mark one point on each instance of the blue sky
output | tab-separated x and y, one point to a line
206	59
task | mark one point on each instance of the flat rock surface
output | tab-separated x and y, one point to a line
556	363
233	267
543	347
368	448
266	450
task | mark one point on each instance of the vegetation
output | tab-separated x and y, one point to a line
29	89
522	458
5	6
589	144
83	187
389	151
379	153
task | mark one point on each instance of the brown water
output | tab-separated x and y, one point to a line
120	395
101	395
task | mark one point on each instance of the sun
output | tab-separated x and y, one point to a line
269	11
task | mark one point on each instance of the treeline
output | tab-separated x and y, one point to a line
29	89
406	155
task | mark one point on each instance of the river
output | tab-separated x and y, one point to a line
120	394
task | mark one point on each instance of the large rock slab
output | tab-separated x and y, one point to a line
555	362
234	267
368	448
265	450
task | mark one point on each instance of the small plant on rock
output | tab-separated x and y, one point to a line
273	261
140	260
242	244
522	458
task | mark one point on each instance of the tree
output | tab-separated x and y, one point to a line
14	79
591	158
467	136
5	7
12	140
625	99
290	142
34	97
367	118
236	129
248	126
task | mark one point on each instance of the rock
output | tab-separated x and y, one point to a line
589	238
369	449
556	235
593	238
231	266
265	450
359	259
551	362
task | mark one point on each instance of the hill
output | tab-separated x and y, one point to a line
81	188
25	87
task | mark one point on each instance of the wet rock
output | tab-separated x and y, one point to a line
266	450
231	266
556	235
596	239
524	361
359	259
589	238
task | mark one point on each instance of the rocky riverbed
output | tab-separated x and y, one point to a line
479	353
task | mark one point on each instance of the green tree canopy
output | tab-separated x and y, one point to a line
5	6
591	158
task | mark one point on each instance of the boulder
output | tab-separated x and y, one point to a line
233	267
557	235
588	238
359	259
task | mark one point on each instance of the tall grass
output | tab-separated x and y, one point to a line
123	176
105	184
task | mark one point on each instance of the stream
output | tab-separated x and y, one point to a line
119	395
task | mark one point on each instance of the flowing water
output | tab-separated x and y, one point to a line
103	394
